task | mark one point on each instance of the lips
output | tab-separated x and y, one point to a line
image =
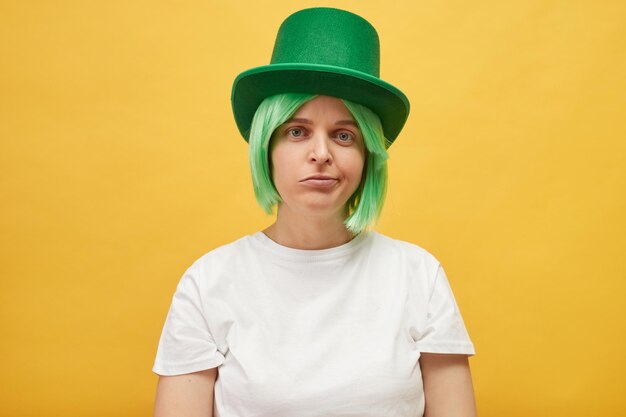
320	181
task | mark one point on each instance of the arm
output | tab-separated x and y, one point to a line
186	395
448	387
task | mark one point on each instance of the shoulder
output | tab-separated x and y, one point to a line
237	247
408	260
400	249
222	260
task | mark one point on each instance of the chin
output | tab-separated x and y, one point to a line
320	207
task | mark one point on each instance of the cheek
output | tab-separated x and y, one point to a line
280	167
355	167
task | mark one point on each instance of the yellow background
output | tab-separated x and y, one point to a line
121	164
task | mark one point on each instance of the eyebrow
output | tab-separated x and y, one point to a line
307	121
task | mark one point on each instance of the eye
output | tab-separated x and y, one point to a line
344	136
295	132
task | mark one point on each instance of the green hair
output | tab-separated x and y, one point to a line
365	205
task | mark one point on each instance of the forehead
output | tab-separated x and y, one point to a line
324	107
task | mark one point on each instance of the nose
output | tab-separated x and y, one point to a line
319	152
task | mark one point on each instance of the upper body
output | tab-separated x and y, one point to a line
316	315
329	324
297	332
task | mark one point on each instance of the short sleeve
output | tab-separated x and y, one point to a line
186	343
445	331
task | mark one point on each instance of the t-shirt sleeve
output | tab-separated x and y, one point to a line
186	343
445	331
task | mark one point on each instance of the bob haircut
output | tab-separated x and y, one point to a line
365	205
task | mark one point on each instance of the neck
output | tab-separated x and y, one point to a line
313	231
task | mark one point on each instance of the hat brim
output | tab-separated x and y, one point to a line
251	87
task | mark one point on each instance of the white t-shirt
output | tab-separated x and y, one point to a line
304	333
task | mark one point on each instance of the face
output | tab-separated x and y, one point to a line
317	157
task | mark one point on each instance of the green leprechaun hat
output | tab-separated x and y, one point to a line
323	51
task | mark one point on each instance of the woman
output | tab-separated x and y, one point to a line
316	315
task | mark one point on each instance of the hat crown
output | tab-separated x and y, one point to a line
327	36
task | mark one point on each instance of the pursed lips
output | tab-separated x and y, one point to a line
320	180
